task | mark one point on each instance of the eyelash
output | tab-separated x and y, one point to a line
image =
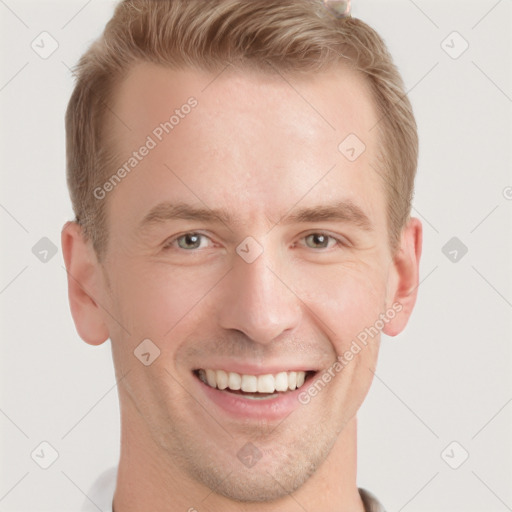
339	241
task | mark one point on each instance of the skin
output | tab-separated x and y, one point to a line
258	150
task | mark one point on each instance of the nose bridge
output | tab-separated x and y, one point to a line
257	302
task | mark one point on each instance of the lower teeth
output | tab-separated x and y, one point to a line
260	397
252	396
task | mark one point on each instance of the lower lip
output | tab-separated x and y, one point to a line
238	406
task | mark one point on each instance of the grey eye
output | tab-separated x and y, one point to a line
317	241
189	241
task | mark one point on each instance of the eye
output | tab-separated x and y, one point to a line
320	241
189	241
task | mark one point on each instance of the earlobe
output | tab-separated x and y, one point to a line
406	276
84	285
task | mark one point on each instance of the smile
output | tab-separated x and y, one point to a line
257	395
253	386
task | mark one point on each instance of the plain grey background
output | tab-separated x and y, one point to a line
443	388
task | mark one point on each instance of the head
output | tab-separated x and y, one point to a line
241	174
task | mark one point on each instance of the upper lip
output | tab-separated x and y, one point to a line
252	369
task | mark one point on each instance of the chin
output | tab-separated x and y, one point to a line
281	470
256	485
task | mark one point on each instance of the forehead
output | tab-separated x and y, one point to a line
327	103
241	139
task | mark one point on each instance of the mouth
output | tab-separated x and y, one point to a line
254	387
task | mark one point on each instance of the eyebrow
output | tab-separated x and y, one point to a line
342	211
166	211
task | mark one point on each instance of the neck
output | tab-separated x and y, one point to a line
147	480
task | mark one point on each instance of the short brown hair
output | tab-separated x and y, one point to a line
289	35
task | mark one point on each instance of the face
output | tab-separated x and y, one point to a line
252	253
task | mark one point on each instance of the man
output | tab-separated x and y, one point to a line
241	174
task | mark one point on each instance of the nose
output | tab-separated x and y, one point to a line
257	300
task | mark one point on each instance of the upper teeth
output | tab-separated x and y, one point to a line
282	381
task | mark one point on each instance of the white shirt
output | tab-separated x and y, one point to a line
101	494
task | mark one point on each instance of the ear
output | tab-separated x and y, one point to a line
84	285
404	281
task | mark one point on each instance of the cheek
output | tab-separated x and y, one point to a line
155	299
345	298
